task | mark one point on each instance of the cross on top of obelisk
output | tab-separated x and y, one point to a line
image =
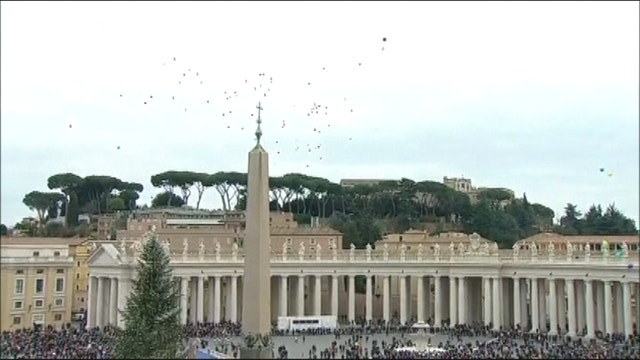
259	121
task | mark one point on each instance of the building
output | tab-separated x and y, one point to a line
464	185
579	242
80	280
36	282
413	238
180	226
459	285
367	182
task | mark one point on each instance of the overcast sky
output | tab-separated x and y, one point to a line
536	97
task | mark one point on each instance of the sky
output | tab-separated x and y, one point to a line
532	96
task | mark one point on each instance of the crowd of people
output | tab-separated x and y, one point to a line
371	341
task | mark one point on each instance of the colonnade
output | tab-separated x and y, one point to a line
554	305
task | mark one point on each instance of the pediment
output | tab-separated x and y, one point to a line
105	255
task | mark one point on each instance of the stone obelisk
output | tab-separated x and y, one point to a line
256	296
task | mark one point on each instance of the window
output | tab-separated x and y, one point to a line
289	241
38	303
18	305
81	299
400	238
78	287
36	253
39	286
312	242
56	253
78	276
59	271
19	272
58	302
40	271
17	320
59	285
57	317
19	286
78	264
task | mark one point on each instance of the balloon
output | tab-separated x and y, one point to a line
610	174
601	169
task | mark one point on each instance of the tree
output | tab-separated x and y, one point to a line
151	317
202	182
162	199
41	202
166	181
116	204
3	229
68	184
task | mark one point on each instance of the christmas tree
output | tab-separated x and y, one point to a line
151	318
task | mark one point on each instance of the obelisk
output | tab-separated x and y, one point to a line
256	287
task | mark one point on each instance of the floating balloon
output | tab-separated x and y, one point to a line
601	169
384	39
610	174
118	147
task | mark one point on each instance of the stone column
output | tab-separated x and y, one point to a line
462	300
562	306
91	302
580	306
403	298
217	302
123	290
427	298
334	295
517	300
487	290
212	300
386	316
589	301
184	294
437	300
524	305
453	301
234	298
369	299
619	301
283	295
553	308
100	302
599	287
420	297
352	298
495	300
628	319
542	302
571	310
300	297
608	308
113	302
200	301
535	306
317	292
193	302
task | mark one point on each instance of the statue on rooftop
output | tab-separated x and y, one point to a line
201	248
569	249
301	250
625	249
185	246
534	249
436	249
420	249
318	251
516	249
